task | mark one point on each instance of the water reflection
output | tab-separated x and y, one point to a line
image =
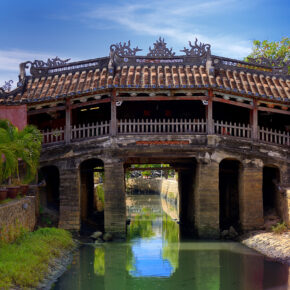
170	238
154	257
99	261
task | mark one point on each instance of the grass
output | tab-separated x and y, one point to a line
7	200
25	262
279	228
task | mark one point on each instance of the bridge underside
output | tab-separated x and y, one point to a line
220	178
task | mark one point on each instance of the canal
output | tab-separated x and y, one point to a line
156	256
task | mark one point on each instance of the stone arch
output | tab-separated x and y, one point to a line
230	172
91	194
272	199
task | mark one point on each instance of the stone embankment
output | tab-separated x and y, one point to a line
274	246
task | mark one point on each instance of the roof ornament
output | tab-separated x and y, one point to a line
37	65
197	50
124	49
54	62
160	49
7	86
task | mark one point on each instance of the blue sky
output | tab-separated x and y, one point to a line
38	29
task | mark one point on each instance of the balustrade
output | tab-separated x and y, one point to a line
165	126
162	126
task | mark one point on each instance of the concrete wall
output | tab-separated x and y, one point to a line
17	214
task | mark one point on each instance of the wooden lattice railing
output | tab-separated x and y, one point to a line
273	136
86	131
53	136
162	126
236	130
165	126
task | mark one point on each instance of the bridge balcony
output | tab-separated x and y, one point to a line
163	127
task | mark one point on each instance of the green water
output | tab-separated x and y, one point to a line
156	257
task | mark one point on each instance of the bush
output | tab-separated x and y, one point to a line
279	228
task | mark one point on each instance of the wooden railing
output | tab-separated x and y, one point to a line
165	126
162	126
236	130
53	136
86	131
273	136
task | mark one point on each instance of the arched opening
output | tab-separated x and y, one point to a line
92	195
271	197
187	183
49	196
229	184
164	187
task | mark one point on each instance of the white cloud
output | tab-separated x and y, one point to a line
179	21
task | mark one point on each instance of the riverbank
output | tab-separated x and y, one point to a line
274	246
34	258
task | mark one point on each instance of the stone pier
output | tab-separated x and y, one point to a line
115	198
251	197
207	200
69	197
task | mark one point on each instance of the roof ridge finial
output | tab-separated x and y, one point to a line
197	50
160	49
124	49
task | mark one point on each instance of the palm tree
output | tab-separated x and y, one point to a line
17	146
8	159
29	139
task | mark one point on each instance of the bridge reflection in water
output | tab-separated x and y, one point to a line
156	257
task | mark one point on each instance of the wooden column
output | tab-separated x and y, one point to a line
209	120
113	129
254	120
67	130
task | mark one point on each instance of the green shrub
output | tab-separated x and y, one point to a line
279	228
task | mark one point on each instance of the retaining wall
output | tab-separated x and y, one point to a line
17	214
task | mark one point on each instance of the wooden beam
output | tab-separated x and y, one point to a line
209	118
273	110
90	103
67	129
163	98
239	104
254	120
45	110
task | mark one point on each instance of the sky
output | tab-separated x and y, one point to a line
41	29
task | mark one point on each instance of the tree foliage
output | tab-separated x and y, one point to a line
271	50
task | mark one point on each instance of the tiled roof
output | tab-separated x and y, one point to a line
154	76
58	79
